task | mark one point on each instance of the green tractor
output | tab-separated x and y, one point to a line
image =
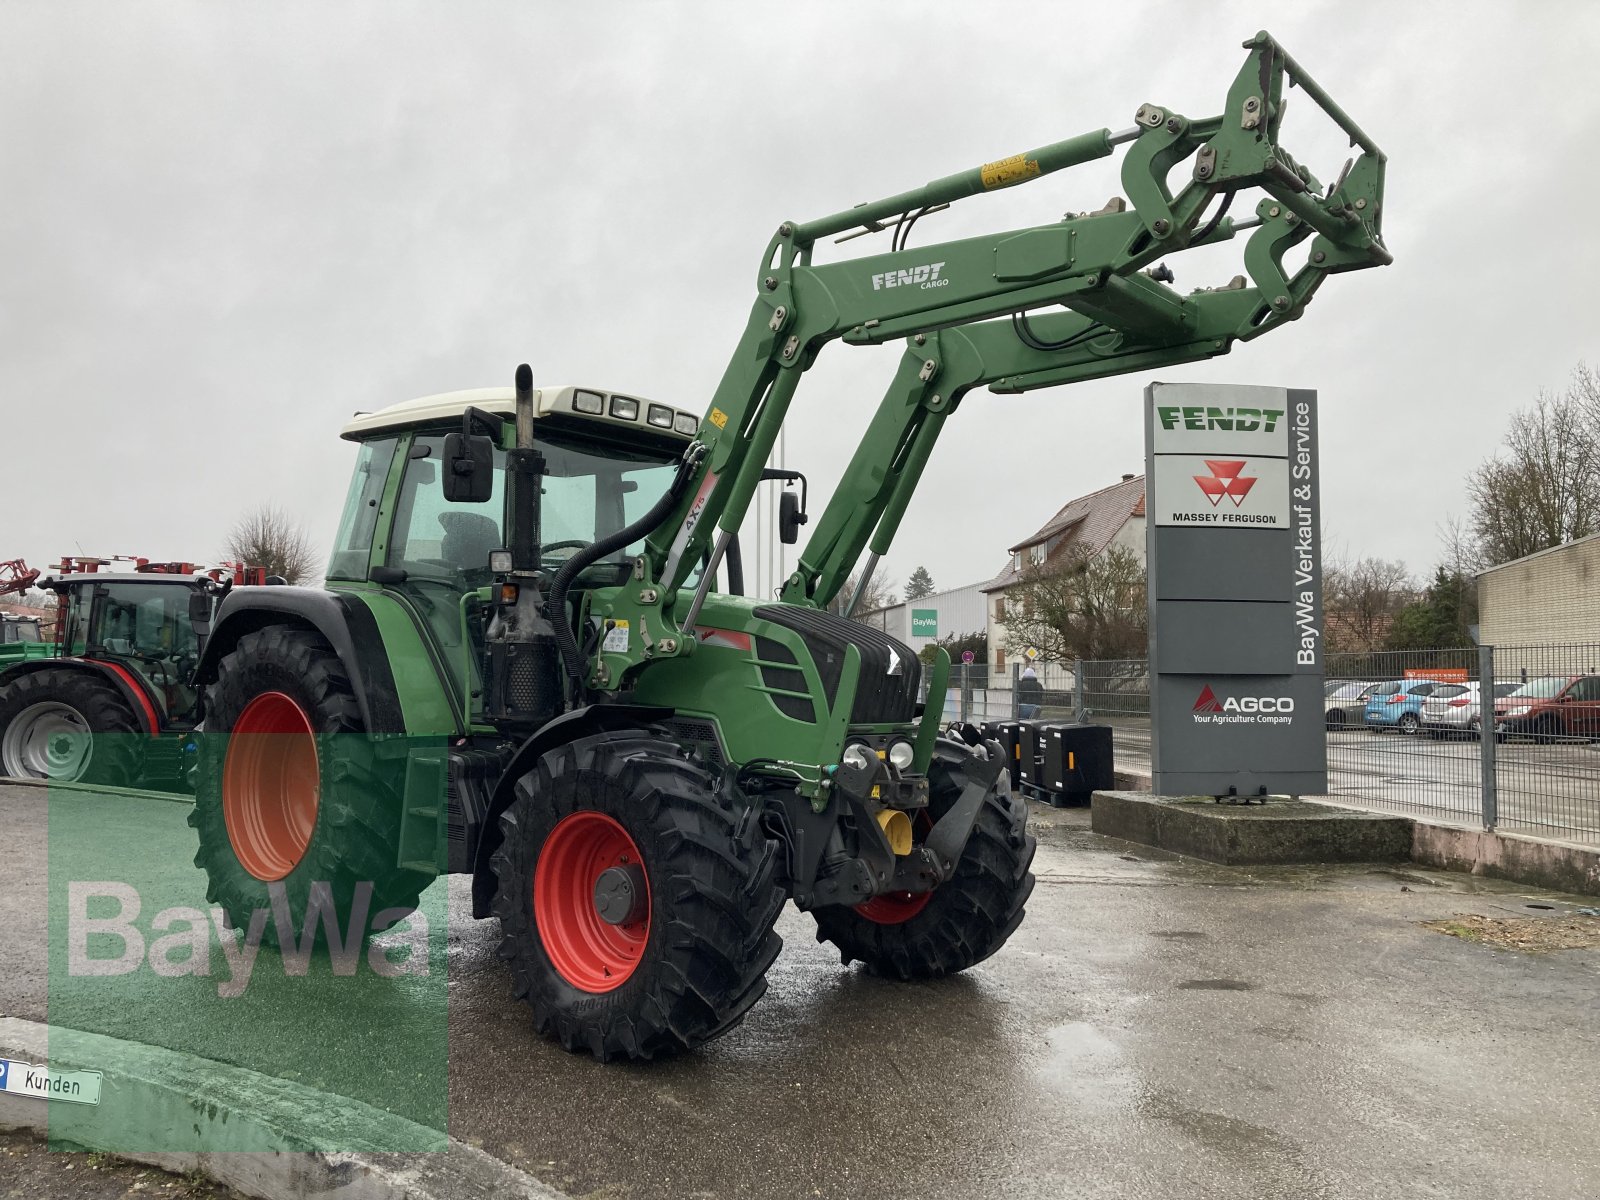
22	639
533	661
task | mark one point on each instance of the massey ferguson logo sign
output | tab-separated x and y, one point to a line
1210	709
1225	480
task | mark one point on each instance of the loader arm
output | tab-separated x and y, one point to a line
1119	318
939	368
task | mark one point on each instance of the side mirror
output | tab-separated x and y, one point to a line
790	517
469	468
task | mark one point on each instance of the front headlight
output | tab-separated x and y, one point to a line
856	756
901	754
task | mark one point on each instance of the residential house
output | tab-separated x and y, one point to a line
1092	524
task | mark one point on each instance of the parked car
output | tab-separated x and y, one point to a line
1455	710
1398	704
1551	707
1344	702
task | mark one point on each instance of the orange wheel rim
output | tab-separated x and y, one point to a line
588	952
271	786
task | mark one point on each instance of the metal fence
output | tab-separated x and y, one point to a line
1404	729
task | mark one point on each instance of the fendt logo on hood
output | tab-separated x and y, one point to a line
1242	710
1225	480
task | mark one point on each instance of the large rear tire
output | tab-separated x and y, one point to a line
962	921
289	796
69	725
680	949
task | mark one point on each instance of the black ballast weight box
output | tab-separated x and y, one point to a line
1009	735
1077	761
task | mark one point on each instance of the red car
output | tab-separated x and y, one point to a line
1553	707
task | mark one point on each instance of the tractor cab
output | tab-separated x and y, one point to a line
149	626
605	460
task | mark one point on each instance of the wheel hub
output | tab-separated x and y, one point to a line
619	894
47	740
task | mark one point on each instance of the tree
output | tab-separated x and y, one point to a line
956	644
266	537
1081	607
1543	488
919	585
880	594
1360	600
1440	617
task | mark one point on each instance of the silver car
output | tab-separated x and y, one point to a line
1455	710
1345	702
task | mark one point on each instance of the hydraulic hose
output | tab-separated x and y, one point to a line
566	641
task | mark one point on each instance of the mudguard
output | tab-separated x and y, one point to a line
345	621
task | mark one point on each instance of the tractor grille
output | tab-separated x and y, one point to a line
890	672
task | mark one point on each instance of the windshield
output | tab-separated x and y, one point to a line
592	492
1543	689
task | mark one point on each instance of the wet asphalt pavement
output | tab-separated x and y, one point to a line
1154	1029
1157	1028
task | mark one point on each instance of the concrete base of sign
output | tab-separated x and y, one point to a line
1278	831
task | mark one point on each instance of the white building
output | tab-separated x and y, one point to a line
920	623
1551	598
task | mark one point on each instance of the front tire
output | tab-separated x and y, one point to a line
288	797
962	921
679	950
69	725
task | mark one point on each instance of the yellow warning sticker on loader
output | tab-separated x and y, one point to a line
719	418
1008	171
616	638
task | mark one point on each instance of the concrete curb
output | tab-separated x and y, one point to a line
1278	832
148	1092
1517	858
1558	866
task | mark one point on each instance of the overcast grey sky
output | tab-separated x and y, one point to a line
226	227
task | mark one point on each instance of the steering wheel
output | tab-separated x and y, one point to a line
574	543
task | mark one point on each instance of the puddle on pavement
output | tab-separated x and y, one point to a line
1086	1066
1216	985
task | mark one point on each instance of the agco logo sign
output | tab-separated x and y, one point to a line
1209	708
1225	480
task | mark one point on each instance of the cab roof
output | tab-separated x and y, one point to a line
584	403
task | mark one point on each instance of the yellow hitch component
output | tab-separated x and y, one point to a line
897	828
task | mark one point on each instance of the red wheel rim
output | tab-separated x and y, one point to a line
271	786
894	908
587	951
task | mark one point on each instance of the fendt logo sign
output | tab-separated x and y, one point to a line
1210	709
1225	480
1199	419
925	276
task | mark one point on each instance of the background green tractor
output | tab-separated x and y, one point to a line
534	662
22	639
114	701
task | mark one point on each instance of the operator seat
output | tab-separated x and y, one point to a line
468	539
